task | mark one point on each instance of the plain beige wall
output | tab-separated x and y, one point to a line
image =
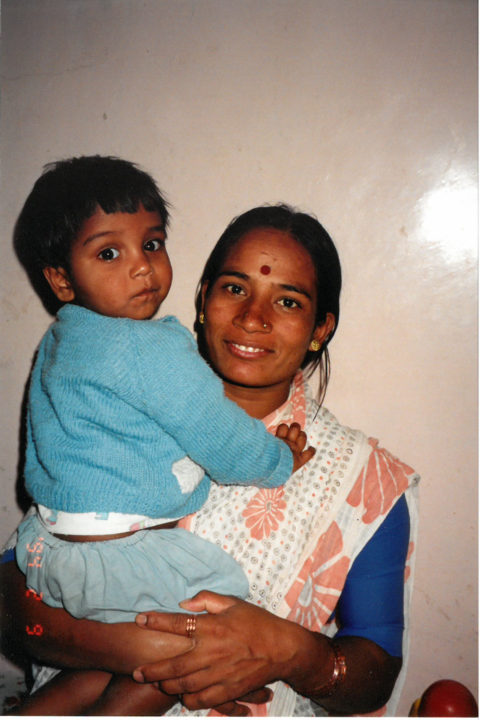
361	111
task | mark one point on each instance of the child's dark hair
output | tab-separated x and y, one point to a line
64	196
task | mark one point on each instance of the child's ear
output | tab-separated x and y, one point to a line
60	283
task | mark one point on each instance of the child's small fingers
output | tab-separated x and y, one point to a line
294	431
301	440
308	454
282	431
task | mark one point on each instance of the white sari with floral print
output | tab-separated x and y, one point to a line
296	543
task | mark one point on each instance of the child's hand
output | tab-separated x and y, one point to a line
296	441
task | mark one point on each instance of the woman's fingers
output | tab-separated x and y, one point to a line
262	695
232	709
235	708
175	675
176	623
165	622
235	644
211	602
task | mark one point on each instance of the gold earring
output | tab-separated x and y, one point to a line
314	346
201	319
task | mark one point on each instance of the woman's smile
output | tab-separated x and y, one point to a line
247	351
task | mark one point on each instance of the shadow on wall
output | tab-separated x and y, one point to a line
51	305
23	498
35	275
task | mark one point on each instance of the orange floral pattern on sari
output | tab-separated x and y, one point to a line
383	479
411	548
293	410
315	592
264	512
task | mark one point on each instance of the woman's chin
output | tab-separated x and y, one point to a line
244	373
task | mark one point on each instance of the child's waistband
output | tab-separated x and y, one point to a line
67	525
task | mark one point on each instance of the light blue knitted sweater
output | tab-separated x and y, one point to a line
115	403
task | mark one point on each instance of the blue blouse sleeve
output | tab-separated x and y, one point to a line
371	603
7	556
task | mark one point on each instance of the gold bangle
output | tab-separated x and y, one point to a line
338	674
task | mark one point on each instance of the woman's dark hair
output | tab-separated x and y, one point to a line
64	196
309	233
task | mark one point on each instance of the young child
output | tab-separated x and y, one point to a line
124	417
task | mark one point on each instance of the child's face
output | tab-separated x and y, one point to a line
118	266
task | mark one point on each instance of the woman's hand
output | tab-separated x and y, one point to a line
238	648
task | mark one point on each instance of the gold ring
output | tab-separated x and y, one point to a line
191	625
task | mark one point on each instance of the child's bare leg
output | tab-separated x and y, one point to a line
68	693
123	696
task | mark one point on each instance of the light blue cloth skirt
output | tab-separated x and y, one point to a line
113	580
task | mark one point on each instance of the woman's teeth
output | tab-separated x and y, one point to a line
247	348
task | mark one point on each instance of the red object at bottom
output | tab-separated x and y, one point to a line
446	698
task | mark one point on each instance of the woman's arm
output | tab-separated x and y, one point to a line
239	647
53	637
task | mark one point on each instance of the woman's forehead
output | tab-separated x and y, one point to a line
268	250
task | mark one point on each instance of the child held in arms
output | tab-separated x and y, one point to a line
126	423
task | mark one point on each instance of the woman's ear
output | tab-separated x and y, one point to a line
322	332
203	294
60	283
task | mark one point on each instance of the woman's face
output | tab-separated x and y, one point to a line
260	312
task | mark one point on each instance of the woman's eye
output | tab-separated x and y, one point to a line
289	302
154	245
234	289
108	254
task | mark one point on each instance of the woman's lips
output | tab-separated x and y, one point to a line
247	351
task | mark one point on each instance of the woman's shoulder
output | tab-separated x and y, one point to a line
379	477
383	479
327	424
330	424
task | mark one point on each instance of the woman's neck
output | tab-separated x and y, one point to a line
258	402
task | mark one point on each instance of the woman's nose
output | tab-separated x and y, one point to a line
253	318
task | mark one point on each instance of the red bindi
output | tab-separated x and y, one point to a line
265	269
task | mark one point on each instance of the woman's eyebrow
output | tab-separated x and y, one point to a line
296	289
235	273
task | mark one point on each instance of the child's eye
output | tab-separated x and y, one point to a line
108	254
289	302
154	245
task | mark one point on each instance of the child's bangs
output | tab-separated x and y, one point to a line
128	200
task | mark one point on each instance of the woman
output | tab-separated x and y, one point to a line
325	554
